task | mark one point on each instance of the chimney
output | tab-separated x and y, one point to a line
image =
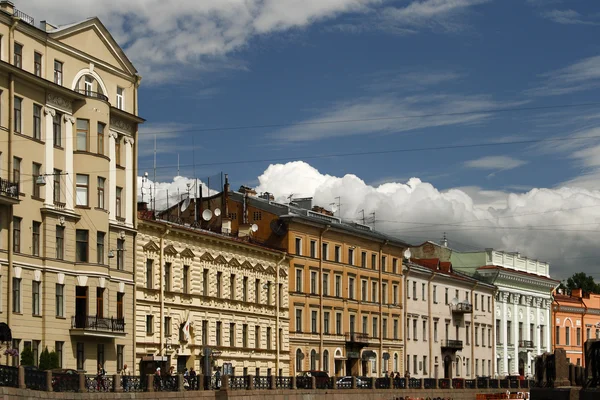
142	206
7	6
305	203
46	26
577	293
322	210
247	190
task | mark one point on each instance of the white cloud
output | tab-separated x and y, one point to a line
495	162
567	17
548	224
580	76
372	115
173	40
166	194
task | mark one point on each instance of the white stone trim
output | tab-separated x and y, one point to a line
88	71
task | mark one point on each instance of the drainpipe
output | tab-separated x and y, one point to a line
320	250
430	328
472	342
162	289
277	303
380	363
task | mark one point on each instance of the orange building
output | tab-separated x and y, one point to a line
576	318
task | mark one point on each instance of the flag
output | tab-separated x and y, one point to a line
186	330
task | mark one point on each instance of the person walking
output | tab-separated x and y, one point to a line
125	378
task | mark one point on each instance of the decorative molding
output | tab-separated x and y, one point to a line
50	111
151	247
113	135
102	282
37	275
283	273
82	280
128	140
59	102
121	287
60	277
17	272
207	257
121	125
234	263
187	253
170	250
220	260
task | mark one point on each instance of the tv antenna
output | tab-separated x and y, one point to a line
363	216
337	207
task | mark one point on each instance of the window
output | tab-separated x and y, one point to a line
205	332
325	251
100	138
508	332
338	286
567	335
435	331
338	323
245	289
60	300
375	326
396	326
383	263
424	330
231	334
489	305
325	360
80	356
101	182
16	169
81	195
446	296
60	242
18	56
245	335
120	98
37	64
16	234
351	256
476	336
298	320
468	333
351	288
415	332
120	357
363	259
88	85
149	324
476	298
167	327
423	291
325	284
414	289
363	290
219	333
100	247
578	336
520	331
58	72
100	302
337	254
17	114
120	304
58	347
35	298
299	246
37	121
257	291
365	324
434	294
384	296
36	172
269	334
83	127
384	328
326	322
313	249
56	194
394	294
81	250
167	278
299	357
299	280
149	273
587	334
186	279
16	293
313	321
313	282
120	254
374	297
374	261
119	194
35	238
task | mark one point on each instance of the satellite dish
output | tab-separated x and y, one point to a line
279	227
254	227
454	301
407	254
217	212
185	204
206	215
334	207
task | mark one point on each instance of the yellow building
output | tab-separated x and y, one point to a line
209	301
68	98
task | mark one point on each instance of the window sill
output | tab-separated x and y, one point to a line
84	207
36	315
58	147
30	138
37	198
17	313
100	209
121	167
60	317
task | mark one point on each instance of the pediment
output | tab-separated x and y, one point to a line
283	273
221	260
247	265
270	270
93	36
151	246
259	268
170	250
207	257
187	253
234	263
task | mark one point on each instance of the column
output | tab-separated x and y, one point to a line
129	184
504	336
548	325
539	327
527	335
49	114
515	298
112	177
69	171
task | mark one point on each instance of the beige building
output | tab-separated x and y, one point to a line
68	99
449	322
207	300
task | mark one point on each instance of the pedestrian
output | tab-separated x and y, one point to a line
218	379
193	381
125	377
100	377
157	380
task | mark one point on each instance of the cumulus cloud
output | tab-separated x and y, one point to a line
171	40
166	194
495	162
556	225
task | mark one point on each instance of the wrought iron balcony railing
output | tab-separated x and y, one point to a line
452	344
89	93
98	324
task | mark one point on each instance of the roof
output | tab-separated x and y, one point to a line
444	268
515	271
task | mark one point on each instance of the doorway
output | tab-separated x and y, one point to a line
81	306
181	364
447	367
521	367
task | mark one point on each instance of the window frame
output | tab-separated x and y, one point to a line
58	72
59	298
36	232
100	138
85	188
18	55
101	183
100	236
17	234
79	241
37	122
60	242
36	171
17	114
82	134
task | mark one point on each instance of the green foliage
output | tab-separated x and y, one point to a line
45	360
581	280
27	357
54	360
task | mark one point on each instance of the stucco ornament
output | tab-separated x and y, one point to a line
498	312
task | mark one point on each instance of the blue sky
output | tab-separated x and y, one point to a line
294	64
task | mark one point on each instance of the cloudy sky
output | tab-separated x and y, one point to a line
471	117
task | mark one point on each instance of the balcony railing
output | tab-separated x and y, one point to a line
89	93
9	189
24	17
462	308
528	344
452	344
356	337
98	324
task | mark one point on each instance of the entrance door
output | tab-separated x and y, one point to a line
521	367
447	367
339	367
181	364
81	306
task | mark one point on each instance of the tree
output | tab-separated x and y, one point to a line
53	360
45	360
27	357
581	280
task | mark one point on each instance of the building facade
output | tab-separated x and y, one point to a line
68	100
209	301
575	319
449	322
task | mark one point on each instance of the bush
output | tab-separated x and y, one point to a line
53	360
27	357
45	360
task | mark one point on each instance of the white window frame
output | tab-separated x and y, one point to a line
120	98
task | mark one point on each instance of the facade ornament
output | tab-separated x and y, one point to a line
69	118
121	124
51	111
60	102
128	140
114	135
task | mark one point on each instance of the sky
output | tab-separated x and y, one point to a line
477	118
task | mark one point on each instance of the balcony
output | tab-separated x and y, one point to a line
89	93
462	308
24	17
82	325
356	338
452	345
9	192
527	344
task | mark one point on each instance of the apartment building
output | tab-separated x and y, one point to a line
449	322
68	107
209	301
575	319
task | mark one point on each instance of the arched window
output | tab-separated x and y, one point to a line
90	86
299	357
326	360
313	360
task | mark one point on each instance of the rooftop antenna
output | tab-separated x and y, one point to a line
337	205
290	197
178	164
363	215
373	216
